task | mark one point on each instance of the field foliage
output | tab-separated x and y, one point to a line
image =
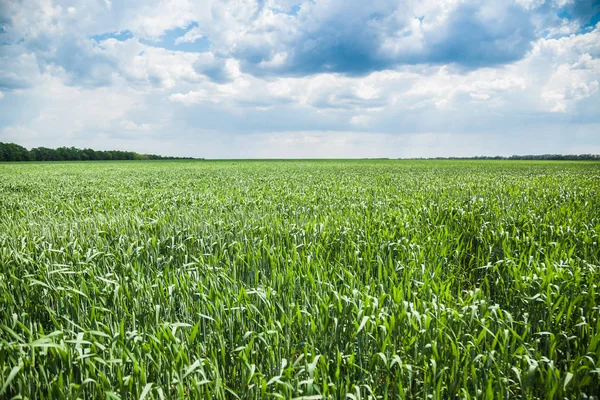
313	279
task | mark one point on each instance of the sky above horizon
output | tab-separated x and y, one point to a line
287	79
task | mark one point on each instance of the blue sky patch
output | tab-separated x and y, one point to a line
120	36
169	38
593	22
295	9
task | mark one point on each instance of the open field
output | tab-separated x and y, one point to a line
315	279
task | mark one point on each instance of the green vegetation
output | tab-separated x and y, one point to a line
15	152
314	279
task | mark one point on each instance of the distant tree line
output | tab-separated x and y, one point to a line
15	152
540	157
574	157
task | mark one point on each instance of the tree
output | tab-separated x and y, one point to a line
13	152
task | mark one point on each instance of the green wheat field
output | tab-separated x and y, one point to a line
362	279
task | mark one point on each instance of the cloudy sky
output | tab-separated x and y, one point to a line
290	78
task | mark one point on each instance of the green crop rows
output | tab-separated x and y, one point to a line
310	279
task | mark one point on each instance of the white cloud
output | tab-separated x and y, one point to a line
132	126
479	96
190	36
360	120
145	65
69	114
18	68
566	70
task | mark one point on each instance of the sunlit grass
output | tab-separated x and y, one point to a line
315	279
